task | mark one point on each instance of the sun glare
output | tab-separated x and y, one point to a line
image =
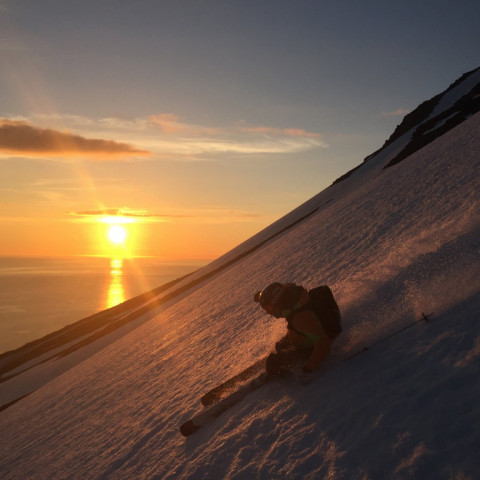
117	234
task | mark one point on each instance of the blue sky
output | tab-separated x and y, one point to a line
238	111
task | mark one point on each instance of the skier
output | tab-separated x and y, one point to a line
313	323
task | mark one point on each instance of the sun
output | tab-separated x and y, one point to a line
117	234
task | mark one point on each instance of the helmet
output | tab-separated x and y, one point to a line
270	297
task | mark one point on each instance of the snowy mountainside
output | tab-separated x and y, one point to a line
392	243
432	119
72	344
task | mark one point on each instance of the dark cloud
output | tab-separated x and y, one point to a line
119	212
144	215
22	138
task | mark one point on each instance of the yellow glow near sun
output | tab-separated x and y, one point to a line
117	219
117	234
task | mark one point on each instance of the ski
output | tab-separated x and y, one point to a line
216	393
207	416
216	405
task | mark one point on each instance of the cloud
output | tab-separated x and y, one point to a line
167	137
289	132
127	215
23	138
399	112
195	142
177	139
169	123
122	215
200	148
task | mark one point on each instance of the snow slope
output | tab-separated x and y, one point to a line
392	243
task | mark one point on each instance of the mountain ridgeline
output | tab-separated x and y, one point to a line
433	118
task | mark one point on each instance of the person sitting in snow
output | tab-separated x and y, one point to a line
313	323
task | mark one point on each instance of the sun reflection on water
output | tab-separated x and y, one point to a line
116	292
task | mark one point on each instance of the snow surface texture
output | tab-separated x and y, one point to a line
392	244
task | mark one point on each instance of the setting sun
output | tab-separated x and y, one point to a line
117	234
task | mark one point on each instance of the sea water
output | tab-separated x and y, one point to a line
41	295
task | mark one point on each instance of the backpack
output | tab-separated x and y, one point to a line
325	308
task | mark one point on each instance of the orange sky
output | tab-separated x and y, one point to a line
203	125
59	186
170	240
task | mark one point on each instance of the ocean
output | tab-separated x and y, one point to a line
41	295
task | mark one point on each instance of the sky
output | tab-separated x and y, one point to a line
192	125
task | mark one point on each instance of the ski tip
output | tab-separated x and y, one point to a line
188	428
